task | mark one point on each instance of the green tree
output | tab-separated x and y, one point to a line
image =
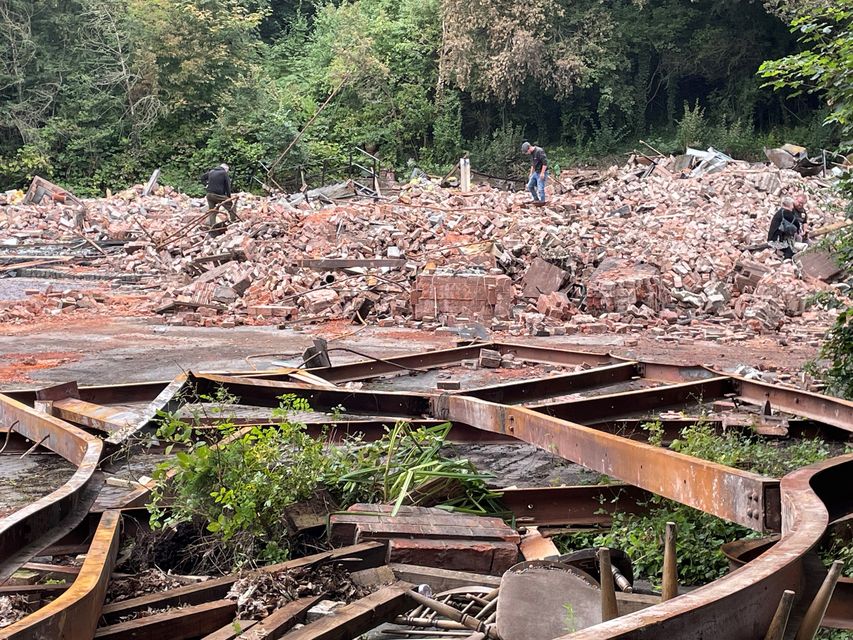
825	66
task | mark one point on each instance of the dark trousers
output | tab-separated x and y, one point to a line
214	200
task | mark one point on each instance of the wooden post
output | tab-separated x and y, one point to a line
776	630
814	614
609	609
670	564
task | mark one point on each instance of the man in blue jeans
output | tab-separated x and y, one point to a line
538	171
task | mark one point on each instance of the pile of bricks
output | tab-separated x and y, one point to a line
624	252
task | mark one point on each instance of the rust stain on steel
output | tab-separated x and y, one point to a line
740	605
22	527
832	411
74	614
732	494
552	386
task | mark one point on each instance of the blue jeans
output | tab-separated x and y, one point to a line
536	186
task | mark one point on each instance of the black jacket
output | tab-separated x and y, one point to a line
538	159
775	233
217	181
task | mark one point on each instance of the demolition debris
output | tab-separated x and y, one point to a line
658	245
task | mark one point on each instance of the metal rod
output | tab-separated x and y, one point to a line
814	614
776	630
670	564
454	614
32	448
621	581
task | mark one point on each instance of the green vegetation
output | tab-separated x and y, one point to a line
94	94
234	493
699	534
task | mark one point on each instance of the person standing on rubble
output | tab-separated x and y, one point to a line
218	184
538	170
787	228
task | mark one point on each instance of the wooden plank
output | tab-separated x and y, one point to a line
180	624
232	630
442	579
280	621
359	556
358	617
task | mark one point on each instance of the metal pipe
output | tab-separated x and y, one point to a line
454	614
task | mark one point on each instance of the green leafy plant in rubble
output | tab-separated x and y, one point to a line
231	485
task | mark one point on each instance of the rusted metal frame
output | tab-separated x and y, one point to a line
266	393
360	556
364	369
358	617
735	607
609	407
74	614
168	399
739	496
41	522
520	391
181	624
832	411
577	505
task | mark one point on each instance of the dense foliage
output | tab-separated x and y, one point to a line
95	94
231	491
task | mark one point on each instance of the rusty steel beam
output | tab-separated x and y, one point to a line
39	524
521	391
74	614
266	393
740	605
617	405
365	369
837	412
577	505
167	399
738	496
95	416
549	355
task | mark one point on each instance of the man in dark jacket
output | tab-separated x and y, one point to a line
786	227
538	171
218	184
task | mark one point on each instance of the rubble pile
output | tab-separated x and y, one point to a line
259	594
634	248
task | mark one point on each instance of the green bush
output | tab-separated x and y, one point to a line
500	153
837	352
692	128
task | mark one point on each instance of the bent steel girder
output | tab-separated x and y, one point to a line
28	530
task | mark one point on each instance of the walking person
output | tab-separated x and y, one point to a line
218	185
538	171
